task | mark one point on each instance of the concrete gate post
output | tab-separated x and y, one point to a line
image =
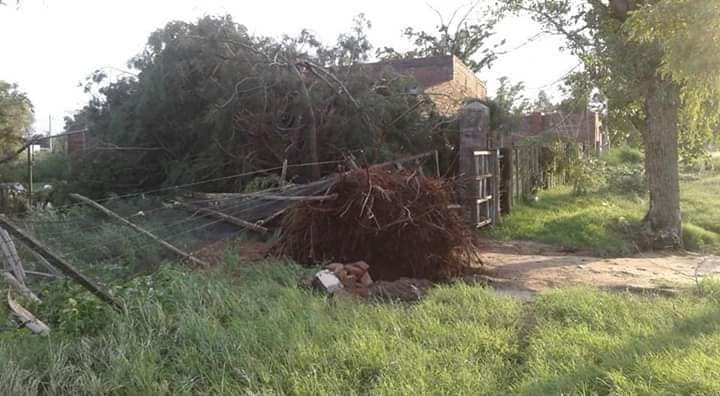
474	120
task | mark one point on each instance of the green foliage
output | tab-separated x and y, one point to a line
210	100
625	170
466	37
605	221
507	106
624	155
73	311
627	179
50	167
543	103
248	329
16	117
586	174
47	168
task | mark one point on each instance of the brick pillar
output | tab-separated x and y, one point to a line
474	135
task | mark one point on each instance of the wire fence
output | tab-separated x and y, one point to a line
94	241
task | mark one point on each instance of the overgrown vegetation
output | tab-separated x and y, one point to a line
47	168
208	99
250	329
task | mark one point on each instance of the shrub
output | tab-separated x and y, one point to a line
627	179
586	174
625	155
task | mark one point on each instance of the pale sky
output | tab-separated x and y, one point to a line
49	46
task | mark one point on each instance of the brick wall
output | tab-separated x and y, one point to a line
445	79
75	142
584	127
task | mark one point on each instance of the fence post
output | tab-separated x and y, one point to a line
506	180
474	132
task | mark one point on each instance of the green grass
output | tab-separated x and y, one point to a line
601	221
251	330
593	222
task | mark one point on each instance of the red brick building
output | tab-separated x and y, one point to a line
584	127
445	79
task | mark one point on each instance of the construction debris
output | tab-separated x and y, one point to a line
327	282
353	278
396	221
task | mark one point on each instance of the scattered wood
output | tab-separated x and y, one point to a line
224	217
139	229
26	318
14	282
8	255
58	262
273	216
43	274
283	173
300	198
40	259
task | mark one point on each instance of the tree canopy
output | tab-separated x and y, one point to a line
16	117
655	61
210	100
466	33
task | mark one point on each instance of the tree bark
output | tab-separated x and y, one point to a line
311	137
663	223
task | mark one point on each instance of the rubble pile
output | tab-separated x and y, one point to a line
344	279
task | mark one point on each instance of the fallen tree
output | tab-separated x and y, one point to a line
396	221
207	100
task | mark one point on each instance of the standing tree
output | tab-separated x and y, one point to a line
543	103
16	116
465	34
507	106
656	61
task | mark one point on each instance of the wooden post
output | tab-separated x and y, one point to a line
506	178
30	176
474	121
139	229
58	262
224	217
496	180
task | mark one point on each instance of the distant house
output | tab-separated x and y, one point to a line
40	143
445	79
75	142
585	128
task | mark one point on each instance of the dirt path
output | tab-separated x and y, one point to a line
534	267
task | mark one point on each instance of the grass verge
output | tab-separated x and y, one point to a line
601	221
251	330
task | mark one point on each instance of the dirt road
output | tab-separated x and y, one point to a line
534	267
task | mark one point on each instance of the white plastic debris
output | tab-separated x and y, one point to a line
327	281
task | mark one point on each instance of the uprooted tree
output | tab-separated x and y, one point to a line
206	100
655	62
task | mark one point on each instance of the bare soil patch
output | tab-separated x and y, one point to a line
535	267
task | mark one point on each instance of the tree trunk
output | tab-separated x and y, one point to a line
663	225
311	137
